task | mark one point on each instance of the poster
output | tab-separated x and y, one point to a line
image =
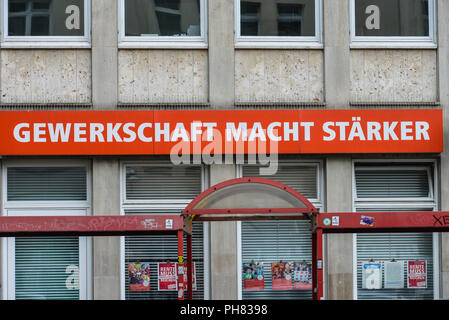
281	275
193	276
253	278
139	276
417	274
167	278
372	275
302	275
394	274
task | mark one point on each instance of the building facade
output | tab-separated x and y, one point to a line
216	55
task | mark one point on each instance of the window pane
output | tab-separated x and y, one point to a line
162	182
392	183
46	183
404	18
47	268
162	18
46	17
274	241
154	249
277	18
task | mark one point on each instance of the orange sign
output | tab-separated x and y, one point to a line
220	132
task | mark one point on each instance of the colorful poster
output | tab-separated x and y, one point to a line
281	275
167	277
372	275
394	274
253	278
139	276
302	275
417	274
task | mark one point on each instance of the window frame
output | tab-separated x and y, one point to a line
319	203
280	42
159	204
162	42
48	208
400	42
19	42
412	203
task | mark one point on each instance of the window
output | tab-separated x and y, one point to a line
272	23
392	23
54	268
45	23
395	187
270	242
161	189
163	23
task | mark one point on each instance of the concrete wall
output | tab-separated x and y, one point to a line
104	54
106	250
394	76
277	76
443	86
163	76
45	76
339	247
223	246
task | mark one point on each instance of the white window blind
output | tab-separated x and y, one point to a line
387	189
162	189
275	241
46	267
46	183
162	182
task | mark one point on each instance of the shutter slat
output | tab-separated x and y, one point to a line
40	267
379	184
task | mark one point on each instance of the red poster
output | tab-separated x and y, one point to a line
417	274
281	273
167	278
139	276
253	278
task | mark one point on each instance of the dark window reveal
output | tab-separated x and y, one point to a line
46	17
392	18
294	18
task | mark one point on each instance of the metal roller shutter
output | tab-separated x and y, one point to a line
287	241
165	184
46	183
162	248
374	185
42	267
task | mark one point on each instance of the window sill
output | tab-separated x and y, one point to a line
385	44
45	45
169	44
278	45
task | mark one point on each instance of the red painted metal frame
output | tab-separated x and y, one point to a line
117	225
23	226
364	222
403	221
264	213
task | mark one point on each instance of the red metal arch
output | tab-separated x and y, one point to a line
267	213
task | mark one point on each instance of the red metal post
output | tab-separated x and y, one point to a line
180	268
189	267
319	264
